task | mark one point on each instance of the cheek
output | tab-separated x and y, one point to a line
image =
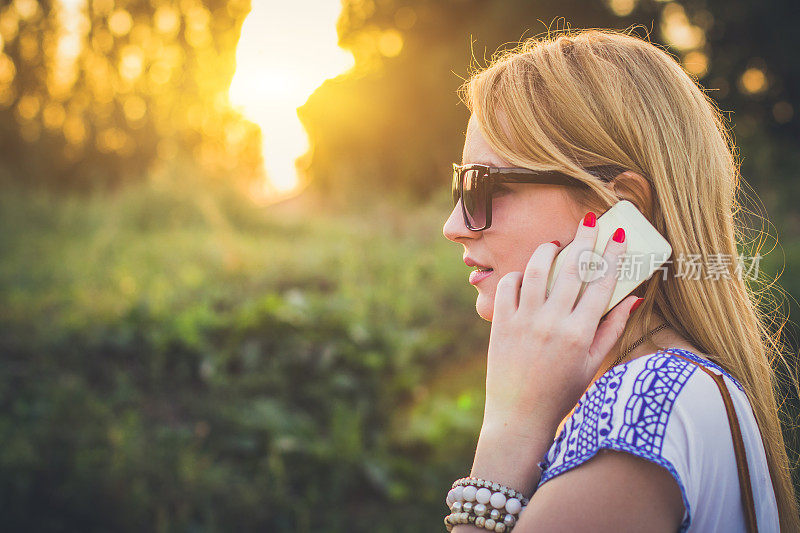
515	251
524	225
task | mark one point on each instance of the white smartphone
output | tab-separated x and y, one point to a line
647	251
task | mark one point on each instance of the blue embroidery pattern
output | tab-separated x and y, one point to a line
642	424
649	406
595	409
705	362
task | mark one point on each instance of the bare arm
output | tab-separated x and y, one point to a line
613	491
510	459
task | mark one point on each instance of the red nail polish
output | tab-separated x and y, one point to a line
590	219
556	243
636	304
619	235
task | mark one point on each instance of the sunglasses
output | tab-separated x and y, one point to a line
475	184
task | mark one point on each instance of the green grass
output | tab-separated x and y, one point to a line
176	358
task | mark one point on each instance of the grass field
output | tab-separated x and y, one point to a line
177	358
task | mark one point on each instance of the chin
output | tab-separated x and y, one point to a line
485	306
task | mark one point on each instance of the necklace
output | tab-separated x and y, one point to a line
639	341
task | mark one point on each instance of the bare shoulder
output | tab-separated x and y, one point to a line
612	491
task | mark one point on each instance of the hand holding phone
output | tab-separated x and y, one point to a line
646	251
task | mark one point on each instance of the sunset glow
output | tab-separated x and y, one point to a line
286	50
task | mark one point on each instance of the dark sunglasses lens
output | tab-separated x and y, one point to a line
475	196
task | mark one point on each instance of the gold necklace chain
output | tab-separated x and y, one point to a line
639	341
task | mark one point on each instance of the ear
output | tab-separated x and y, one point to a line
631	186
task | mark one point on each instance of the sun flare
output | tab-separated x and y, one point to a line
286	50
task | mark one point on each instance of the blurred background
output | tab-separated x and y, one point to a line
226	302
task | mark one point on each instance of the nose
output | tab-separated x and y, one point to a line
454	227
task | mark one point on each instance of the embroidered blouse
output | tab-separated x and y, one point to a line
666	410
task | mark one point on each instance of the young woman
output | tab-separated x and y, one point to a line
608	425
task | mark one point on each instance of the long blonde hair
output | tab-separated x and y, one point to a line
577	98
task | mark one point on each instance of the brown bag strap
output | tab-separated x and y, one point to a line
738	447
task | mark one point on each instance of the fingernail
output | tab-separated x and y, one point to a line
590	219
636	304
619	235
556	243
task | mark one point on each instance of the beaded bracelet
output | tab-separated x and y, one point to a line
468	501
496	487
499	523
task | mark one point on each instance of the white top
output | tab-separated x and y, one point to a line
667	410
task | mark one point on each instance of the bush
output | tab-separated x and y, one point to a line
190	363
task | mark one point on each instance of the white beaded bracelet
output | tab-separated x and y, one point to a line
471	499
478	482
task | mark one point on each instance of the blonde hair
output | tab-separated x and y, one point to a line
578	98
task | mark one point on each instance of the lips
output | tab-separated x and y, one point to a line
471	262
